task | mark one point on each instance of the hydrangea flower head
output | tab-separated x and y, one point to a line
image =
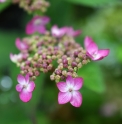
21	45
69	91
92	50
25	87
37	24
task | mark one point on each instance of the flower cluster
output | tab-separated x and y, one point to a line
33	5
54	51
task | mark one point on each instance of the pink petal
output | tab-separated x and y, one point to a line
25	96
19	87
78	82
56	32
76	99
87	41
20	45
70	81
90	55
41	29
71	32
76	33
2	1
101	54
31	86
45	20
13	58
64	97
21	79
27	78
62	86
30	28
92	48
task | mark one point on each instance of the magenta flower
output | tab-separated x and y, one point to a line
71	32
15	58
21	45
58	32
25	87
37	24
69	91
92	50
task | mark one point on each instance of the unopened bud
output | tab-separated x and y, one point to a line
36	73
74	74
77	60
52	77
34	77
80	65
64	72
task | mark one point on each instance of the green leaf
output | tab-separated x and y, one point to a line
60	12
4	5
119	53
92	2
92	76
7	41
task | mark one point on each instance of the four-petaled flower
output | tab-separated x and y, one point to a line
37	24
69	91
21	45
25	87
92	50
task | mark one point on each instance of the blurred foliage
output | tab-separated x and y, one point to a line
3	6
100	19
92	77
93	2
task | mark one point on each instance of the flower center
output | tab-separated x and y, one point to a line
24	86
95	55
70	90
37	22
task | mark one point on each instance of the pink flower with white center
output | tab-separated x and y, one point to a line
92	50
58	32
2	1
25	87
15	58
69	91
21	45
37	24
71	32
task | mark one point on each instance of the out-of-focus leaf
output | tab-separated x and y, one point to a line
10	114
92	77
119	53
4	5
7	46
59	15
92	2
